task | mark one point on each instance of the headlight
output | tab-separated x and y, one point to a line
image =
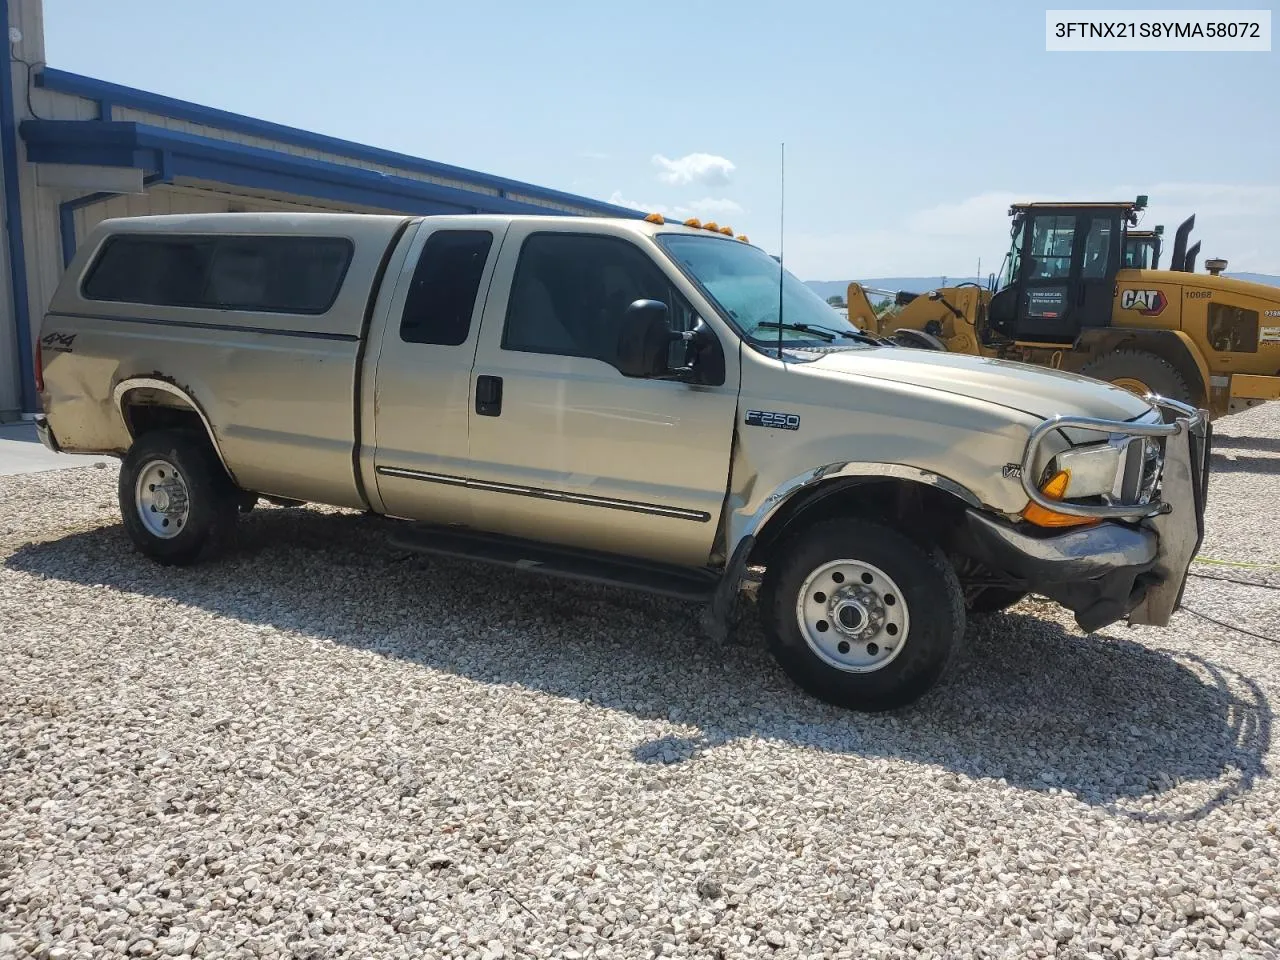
1124	470
1092	471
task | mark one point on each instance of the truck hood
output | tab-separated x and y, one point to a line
1038	391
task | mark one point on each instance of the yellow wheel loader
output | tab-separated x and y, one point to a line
1080	291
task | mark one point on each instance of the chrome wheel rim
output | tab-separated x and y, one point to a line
853	616
162	500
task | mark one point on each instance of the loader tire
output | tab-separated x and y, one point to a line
1140	372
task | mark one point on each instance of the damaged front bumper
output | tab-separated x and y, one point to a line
1133	564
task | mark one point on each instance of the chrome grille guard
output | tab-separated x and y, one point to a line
1177	516
1181	421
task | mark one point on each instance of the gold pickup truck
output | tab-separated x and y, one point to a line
640	403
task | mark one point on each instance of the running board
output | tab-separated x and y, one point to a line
565	562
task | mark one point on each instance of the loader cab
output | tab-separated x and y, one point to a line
1142	249
1059	275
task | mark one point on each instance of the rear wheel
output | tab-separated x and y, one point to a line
861	616
176	501
1140	372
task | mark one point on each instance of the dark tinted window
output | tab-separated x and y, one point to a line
265	274
1233	329
1097	249
1052	239
442	294
570	292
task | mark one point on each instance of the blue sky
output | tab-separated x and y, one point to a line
909	126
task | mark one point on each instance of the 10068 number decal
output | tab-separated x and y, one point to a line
771	418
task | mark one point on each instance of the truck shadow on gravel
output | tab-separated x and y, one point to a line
1235	463
1142	732
1227	441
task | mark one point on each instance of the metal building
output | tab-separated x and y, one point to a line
76	150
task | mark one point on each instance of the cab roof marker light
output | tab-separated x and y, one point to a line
712	226
693	222
657	218
743	238
727	231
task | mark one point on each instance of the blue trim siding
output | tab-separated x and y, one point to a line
173	154
13	229
61	81
67	216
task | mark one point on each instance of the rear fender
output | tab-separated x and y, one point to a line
174	396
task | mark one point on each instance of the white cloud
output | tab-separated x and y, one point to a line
708	207
706	169
1236	222
713	207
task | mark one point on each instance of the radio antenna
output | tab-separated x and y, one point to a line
782	222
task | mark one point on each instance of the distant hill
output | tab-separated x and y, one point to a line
837	288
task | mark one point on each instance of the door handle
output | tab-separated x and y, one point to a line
489	396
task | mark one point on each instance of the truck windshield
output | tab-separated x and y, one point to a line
743	282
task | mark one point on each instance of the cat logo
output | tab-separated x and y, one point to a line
1149	303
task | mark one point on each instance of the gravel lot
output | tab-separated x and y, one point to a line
321	747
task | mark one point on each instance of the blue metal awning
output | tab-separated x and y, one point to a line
166	155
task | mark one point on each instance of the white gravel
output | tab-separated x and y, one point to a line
322	748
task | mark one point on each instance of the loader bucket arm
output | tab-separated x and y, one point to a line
861	313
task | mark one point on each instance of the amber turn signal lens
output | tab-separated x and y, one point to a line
1054	489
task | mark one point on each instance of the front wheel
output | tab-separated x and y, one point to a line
176	501
861	616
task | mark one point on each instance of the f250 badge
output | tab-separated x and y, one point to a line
770	418
1149	303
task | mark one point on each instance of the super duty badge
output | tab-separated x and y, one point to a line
771	418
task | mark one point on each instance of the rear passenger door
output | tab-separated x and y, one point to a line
423	378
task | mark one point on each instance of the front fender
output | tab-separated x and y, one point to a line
752	524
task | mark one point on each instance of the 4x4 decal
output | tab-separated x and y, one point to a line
57	342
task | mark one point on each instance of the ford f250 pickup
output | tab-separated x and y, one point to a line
641	403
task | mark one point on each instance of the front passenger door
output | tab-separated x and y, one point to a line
566	449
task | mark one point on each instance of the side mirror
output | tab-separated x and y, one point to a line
644	340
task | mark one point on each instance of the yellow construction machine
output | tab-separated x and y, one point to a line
1080	291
